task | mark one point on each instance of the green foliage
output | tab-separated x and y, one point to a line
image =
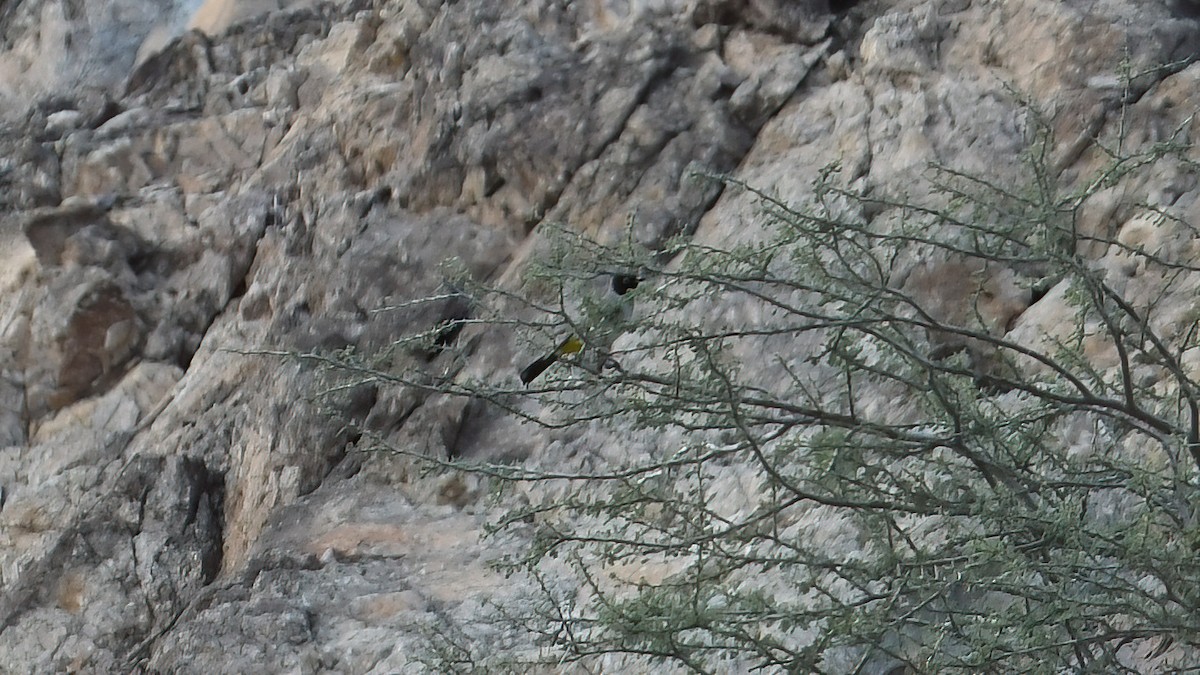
865	480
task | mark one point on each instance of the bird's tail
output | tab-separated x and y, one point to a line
531	371
572	345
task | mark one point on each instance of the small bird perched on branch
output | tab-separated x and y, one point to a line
574	344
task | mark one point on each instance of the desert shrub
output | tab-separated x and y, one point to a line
946	431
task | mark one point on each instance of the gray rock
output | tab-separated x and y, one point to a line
177	500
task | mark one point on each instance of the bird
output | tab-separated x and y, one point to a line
571	345
622	283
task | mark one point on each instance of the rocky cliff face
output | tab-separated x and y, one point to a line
173	503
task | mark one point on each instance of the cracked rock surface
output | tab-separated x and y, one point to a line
175	502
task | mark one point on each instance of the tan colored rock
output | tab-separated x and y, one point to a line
214	17
968	294
178	502
902	42
84	350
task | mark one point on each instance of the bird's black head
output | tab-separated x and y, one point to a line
623	283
